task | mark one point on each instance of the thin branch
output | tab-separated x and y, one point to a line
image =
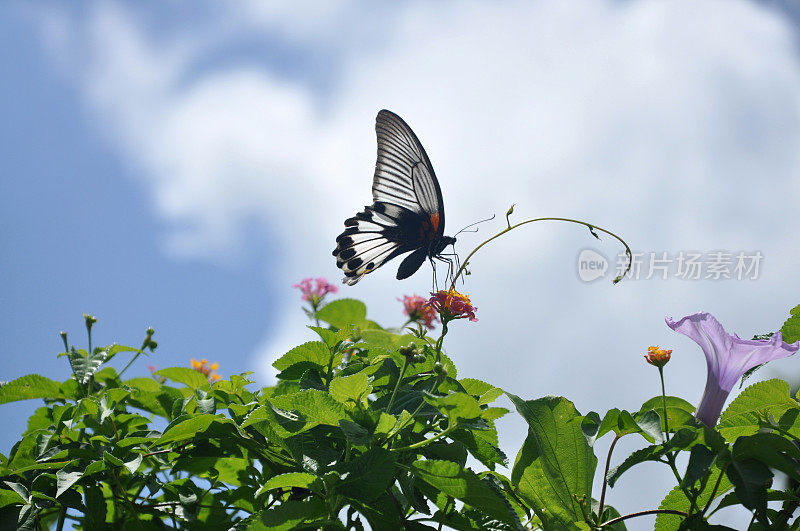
643	513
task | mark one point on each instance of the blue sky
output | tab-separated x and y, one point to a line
182	166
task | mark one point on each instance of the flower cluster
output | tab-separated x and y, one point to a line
314	290
452	305
208	370
418	310
658	357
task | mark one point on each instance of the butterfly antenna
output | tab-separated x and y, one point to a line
472	225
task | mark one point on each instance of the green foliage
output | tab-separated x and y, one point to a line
791	328
368	427
555	467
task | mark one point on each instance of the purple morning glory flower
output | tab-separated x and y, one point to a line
728	357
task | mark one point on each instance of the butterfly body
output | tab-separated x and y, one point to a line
407	214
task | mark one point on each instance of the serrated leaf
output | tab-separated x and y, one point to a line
457	406
484	392
771	449
650	453
791	328
343	312
355	433
367	476
68	476
676	500
187	429
463	484
189	377
556	464
750	480
315	406
292	479
350	390
314	354
741	417
290	514
84	366
28	387
329	337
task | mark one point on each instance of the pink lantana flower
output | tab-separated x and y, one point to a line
417	310
452	305
728	357
314	290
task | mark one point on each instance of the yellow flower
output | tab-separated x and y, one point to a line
657	357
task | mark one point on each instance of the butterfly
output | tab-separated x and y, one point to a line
407	214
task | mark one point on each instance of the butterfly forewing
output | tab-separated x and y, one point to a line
403	173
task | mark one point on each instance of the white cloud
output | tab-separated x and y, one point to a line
676	124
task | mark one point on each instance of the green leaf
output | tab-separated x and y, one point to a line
457	406
650	424
750	480
463	484
388	340
355	433
311	355
84	366
700	461
350	390
30	386
771	449
555	464
367	476
187	429
590	426
791	328
676	500
343	312
68	476
290	515
315	406
484	392
770	397
292	479
329	337
650	453
190	377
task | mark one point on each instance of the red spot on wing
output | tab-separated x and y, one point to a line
435	220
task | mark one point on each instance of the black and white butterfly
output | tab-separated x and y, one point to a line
407	214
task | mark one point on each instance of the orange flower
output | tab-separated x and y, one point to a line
657	357
208	370
452	305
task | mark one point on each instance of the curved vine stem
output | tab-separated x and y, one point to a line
591	227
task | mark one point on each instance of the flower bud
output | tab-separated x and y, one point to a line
440	370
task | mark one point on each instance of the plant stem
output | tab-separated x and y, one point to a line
714	490
568	220
643	513
420	444
692	499
397	385
125	368
664	403
605	479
